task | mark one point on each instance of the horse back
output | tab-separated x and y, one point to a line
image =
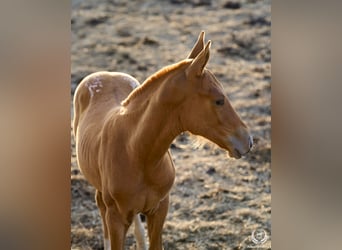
99	92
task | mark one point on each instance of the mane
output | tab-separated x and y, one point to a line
152	79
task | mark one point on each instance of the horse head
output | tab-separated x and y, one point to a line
206	110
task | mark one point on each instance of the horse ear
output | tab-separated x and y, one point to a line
198	47
197	66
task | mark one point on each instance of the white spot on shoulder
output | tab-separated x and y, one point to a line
94	85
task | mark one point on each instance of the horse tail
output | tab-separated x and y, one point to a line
81	102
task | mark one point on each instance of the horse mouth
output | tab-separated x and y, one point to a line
234	153
239	155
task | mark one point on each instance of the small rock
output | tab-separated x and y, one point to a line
257	93
124	32
259	69
211	171
201	2
176	206
142	68
232	5
96	20
262	123
253	21
229	50
150	41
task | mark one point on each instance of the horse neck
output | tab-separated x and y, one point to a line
155	125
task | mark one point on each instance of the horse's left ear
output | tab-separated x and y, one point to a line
197	66
198	47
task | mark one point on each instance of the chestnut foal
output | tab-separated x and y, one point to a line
123	132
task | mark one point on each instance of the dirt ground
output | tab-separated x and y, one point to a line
216	202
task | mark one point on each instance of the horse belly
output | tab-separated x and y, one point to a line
91	173
87	155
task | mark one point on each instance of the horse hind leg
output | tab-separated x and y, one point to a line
139	233
102	207
118	222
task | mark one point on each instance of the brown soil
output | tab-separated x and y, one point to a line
216	201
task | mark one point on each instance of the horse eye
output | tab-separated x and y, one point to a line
219	102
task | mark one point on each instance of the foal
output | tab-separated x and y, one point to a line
123	132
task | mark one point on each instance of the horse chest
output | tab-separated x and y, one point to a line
140	187
153	196
157	186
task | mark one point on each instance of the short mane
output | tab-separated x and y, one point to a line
149	81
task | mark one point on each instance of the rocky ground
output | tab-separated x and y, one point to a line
216	202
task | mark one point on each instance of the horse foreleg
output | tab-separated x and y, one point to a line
155	222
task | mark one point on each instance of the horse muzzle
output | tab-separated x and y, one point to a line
241	144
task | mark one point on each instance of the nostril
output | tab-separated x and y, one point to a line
250	141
